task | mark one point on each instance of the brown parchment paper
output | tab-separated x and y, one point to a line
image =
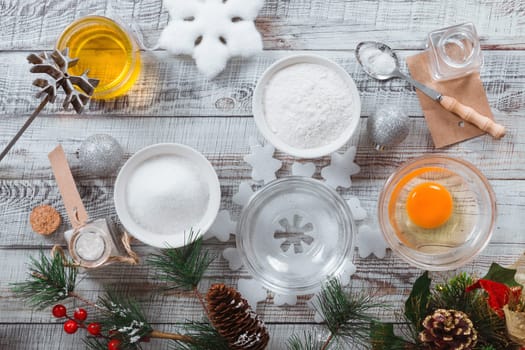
444	126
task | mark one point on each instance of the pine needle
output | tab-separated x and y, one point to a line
308	341
50	281
182	268
345	313
126	319
204	337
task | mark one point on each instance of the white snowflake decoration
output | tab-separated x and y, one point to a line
358	213
252	291
303	169
371	241
243	195
341	168
281	299
222	227
233	257
264	165
212	31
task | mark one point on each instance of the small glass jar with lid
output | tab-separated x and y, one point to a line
454	52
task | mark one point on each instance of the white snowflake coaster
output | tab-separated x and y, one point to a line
341	168
348	270
212	31
264	165
303	169
233	257
243	195
252	291
222	227
371	241
358	213
281	300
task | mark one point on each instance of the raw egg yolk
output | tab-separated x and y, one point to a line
429	205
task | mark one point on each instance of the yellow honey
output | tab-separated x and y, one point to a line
105	49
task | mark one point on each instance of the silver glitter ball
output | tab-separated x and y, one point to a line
100	155
387	127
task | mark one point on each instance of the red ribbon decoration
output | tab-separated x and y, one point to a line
499	294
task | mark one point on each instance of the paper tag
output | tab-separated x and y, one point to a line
445	127
66	184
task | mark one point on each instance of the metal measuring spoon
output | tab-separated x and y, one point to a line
380	62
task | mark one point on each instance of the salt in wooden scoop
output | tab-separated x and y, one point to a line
380	62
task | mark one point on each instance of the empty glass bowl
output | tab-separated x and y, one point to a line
294	234
444	246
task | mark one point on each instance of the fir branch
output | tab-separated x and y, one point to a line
182	268
51	280
491	328
204	337
124	320
308	341
345	314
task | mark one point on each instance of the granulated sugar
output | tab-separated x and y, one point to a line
166	195
308	105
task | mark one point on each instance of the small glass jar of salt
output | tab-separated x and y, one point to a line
92	244
454	52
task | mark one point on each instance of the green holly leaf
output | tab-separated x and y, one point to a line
498	273
416	306
382	337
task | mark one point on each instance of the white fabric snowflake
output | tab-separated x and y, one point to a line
212	31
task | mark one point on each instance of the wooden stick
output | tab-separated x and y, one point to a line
472	116
172	336
24	127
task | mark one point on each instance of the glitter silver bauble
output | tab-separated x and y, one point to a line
387	127
100	155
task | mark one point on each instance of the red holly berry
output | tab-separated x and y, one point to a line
59	311
94	328
70	326
80	314
114	344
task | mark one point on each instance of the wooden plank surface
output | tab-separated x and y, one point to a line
172	102
172	86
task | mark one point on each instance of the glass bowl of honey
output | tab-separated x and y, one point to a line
106	50
437	212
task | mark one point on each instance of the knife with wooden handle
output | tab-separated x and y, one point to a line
464	112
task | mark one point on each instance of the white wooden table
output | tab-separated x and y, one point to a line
172	102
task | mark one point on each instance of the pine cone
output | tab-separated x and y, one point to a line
233	318
449	330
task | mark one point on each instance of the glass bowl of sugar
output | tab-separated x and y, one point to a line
164	192
306	105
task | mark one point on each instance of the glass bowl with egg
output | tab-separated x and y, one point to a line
437	212
306	105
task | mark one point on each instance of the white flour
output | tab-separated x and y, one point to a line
166	195
308	105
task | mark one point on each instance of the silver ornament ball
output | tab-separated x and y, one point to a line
387	127
100	155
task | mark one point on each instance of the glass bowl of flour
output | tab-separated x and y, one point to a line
164	191
307	106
